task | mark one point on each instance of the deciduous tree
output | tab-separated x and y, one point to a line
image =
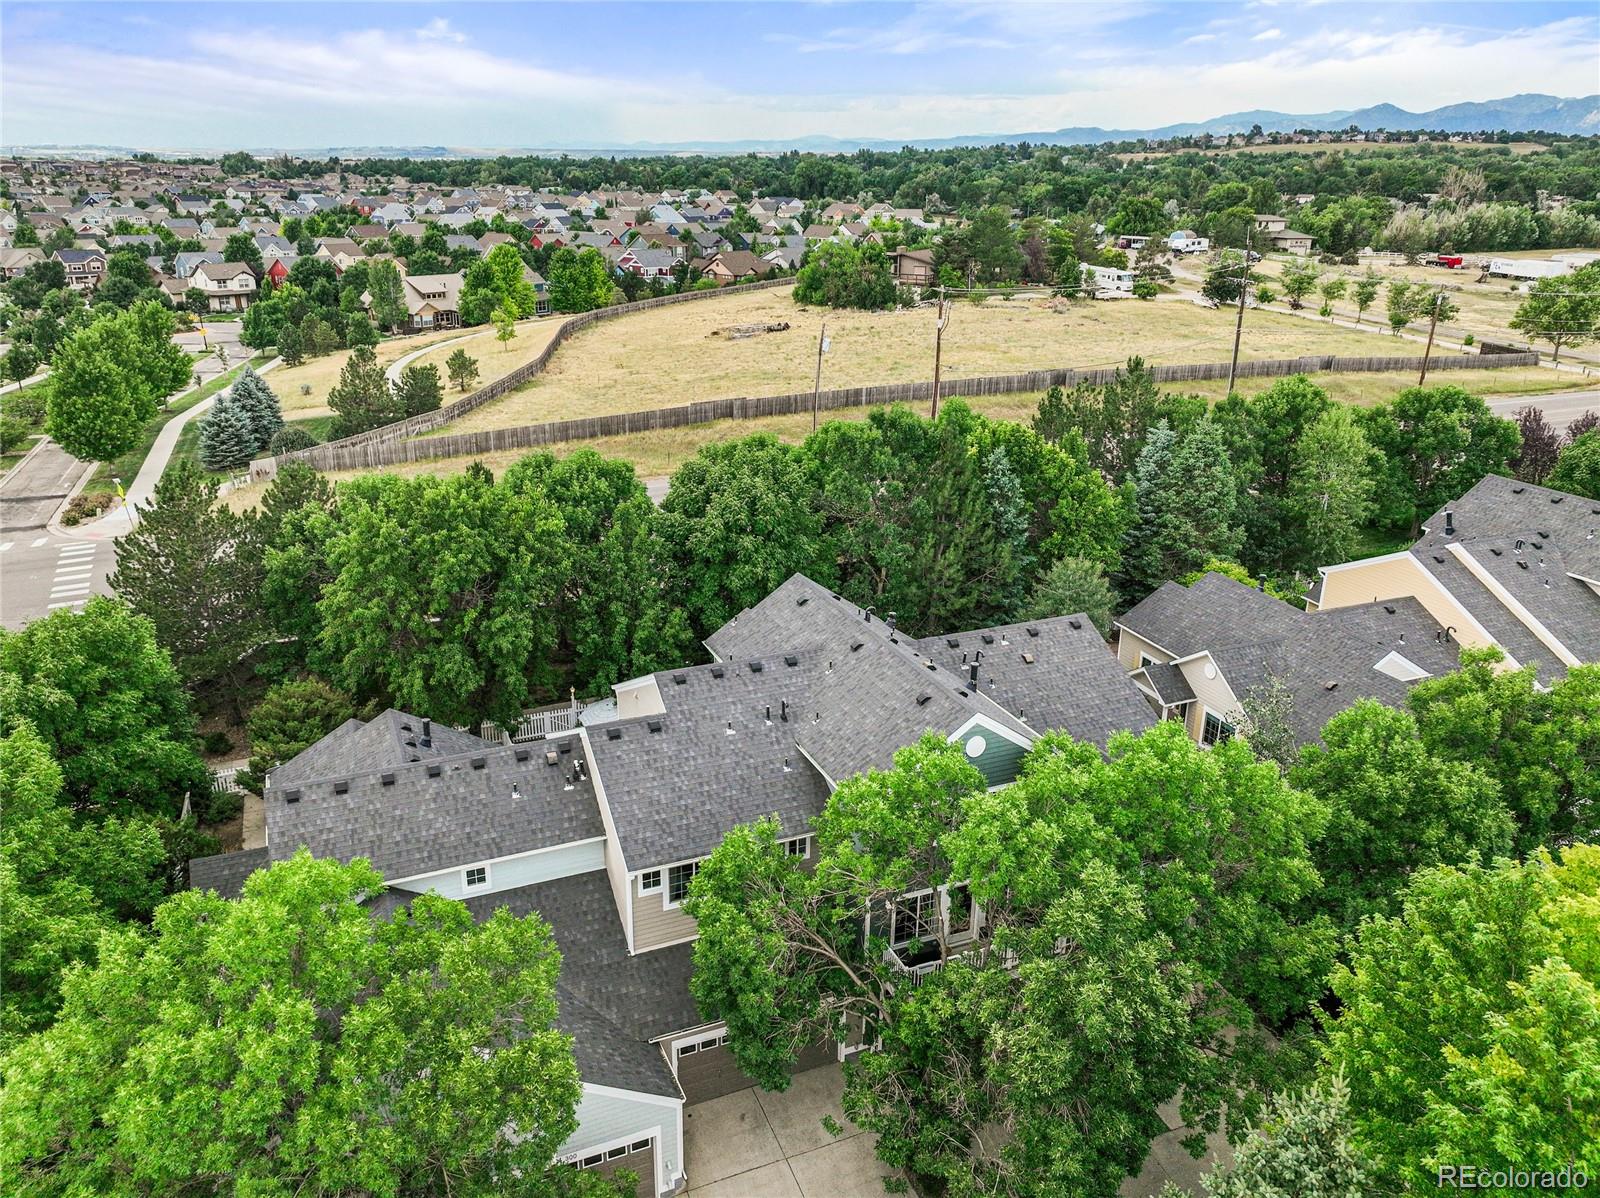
291	1040
110	377
1563	311
1577	469
291	717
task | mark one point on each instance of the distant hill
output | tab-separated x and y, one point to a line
1531	112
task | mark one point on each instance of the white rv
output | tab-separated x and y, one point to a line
1112	280
1184	241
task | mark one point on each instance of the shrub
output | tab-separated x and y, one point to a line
26	406
13	433
1469	339
85	507
1145	289
217	742
289	439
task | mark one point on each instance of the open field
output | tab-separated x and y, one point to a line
659	453
1486	308
494	359
303	389
1339	147
670	356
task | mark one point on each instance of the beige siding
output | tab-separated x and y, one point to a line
1394	578
1131	645
616	866
1208	692
654	923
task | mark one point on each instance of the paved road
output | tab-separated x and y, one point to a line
41	571
1560	408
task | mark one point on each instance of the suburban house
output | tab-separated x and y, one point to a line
1509	564
601	828
432	301
733	266
341	251
84	268
229	286
14	262
186	262
913	268
1199	653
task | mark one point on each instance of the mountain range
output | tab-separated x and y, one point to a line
1527	113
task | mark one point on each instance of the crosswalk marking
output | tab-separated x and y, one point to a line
74	575
40	541
69	588
6	545
68	603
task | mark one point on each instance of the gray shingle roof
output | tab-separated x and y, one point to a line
390	739
1050	674
1531	541
1215	610
612	1004
1168	682
673	792
225	872
480	805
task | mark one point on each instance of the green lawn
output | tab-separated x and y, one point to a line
127	466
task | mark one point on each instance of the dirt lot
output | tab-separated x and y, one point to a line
669	356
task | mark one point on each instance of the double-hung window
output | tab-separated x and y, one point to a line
678	879
800	846
1215	729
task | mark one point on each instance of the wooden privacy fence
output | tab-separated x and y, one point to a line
428	421
371	454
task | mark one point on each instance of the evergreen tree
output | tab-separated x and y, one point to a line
227	437
1073	584
250	392
1302	1149
362	397
462	368
291	346
192	568
1187	499
418	390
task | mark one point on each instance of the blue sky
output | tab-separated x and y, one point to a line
220	75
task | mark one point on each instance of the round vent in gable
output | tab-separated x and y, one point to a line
976	745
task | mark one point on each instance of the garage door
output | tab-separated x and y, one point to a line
638	1157
706	1068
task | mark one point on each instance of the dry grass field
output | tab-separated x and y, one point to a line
659	453
674	356
303	390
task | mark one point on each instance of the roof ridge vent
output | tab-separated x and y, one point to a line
655	725
923	699
1074	623
755	667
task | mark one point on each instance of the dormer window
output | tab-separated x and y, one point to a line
477	876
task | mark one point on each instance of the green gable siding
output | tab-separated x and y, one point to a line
1001	760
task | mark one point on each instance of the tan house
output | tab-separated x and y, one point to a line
1202	653
432	301
913	268
14	262
734	266
1509	564
601	825
341	251
1289	241
229	286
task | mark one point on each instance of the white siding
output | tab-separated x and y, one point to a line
512	872
606	1116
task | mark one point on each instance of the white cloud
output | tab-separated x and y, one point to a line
1268	35
438	30
432	85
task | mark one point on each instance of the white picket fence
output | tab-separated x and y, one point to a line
225	781
540	722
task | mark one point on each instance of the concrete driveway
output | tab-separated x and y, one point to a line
755	1144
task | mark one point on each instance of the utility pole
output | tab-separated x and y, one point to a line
938	347
1238	324
816	387
1433	323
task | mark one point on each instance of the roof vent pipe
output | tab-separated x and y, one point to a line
972	674
866	614
783	711
891	621
427	734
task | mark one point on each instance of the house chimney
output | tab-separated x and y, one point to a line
972	674
427	734
1449	523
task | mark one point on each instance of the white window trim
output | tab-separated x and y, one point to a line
646	888
1205	711
488	878
805	846
666	882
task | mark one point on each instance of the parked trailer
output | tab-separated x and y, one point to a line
1184	241
1526	268
1111	279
